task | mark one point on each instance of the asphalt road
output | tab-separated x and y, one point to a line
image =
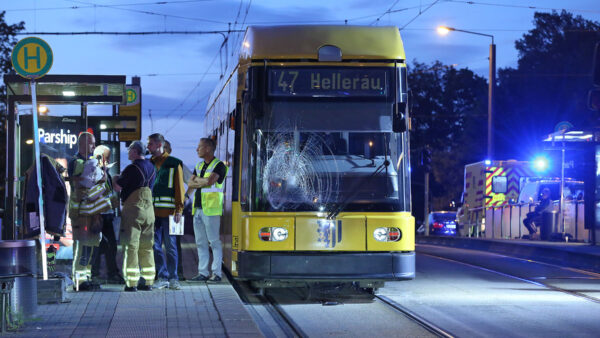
466	293
473	293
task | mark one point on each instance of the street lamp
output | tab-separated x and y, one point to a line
443	30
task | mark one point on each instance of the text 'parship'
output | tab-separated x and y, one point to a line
58	138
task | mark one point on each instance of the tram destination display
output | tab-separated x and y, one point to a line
328	82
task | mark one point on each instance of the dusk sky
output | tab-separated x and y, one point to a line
179	71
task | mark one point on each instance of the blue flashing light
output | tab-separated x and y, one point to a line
540	164
487	162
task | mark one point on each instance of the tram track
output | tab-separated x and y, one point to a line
259	304
427	325
534	281
266	311
285	321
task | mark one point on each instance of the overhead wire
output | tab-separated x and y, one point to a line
92	6
190	93
522	6
384	13
175	74
186	113
235	22
226	41
148	12
420	12
238	38
129	33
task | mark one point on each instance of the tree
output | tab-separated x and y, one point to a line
7	42
549	85
449	115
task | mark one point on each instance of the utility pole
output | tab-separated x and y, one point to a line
426	164
426	204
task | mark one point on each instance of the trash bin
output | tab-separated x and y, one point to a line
549	224
19	260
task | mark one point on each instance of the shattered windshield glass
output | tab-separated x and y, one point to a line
316	156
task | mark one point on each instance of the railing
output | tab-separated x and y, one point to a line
507	221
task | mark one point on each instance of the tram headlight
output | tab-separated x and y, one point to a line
279	234
273	234
387	234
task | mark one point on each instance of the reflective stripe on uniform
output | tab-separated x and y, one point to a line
213	189
96	191
165	205
148	273
171	174
94	207
164	202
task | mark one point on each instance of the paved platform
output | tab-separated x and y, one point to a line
576	255
197	310
215	310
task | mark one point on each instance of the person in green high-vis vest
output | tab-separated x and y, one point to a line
168	194
208	178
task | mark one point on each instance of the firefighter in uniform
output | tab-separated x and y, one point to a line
208	179
137	220
86	223
168	194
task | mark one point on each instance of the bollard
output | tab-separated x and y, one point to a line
19	262
549	225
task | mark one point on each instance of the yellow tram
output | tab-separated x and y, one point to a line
312	121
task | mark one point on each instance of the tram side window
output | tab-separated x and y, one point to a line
236	153
245	168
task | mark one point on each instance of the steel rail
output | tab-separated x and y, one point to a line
279	316
427	325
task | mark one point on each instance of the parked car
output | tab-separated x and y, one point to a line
442	223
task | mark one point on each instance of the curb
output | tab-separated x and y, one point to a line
562	256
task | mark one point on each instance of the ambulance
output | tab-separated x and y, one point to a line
489	184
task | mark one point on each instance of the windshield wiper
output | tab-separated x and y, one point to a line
365	158
339	207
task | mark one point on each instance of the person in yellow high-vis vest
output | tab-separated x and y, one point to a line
137	220
208	179
86	226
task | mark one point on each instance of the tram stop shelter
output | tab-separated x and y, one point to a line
577	154
67	106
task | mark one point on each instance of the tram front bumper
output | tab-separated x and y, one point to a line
326	266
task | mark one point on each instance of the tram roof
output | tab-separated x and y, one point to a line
304	41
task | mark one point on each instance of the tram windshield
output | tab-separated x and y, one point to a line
323	156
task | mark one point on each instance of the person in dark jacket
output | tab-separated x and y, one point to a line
535	217
137	220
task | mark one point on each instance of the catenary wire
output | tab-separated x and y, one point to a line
93	6
522	6
193	89
149	12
